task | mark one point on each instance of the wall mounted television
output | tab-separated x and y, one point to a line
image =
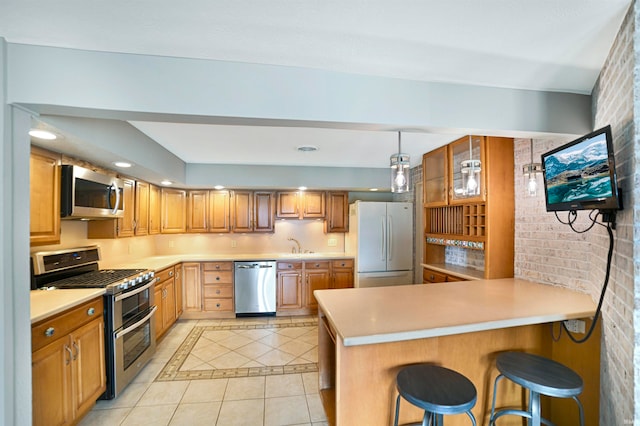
581	175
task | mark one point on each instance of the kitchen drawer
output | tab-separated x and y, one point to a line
324	264
217	266
49	330
218	305
289	265
342	263
431	276
217	277
164	274
217	291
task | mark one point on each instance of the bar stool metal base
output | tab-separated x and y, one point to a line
541	376
437	390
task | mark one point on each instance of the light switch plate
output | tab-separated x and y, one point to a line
332	242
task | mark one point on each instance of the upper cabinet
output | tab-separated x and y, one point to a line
337	219
469	202
141	211
455	173
154	210
208	211
253	211
44	175
173	211
301	204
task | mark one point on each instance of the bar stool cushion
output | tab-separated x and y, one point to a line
436	389
539	374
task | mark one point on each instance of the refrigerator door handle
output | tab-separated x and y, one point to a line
383	246
390	238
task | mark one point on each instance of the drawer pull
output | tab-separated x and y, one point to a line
431	277
290	266
91	311
217	278
49	331
217	305
317	265
170	273
342	264
217	266
217	291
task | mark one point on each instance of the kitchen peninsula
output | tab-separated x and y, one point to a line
367	334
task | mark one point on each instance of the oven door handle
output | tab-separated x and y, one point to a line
134	292
121	333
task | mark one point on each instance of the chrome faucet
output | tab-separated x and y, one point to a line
293	249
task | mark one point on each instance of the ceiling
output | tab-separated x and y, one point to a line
545	45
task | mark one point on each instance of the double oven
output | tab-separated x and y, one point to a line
129	307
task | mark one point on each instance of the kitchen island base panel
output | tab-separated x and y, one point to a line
358	382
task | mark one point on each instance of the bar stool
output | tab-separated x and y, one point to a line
541	376
437	390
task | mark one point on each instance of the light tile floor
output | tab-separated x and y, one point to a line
271	400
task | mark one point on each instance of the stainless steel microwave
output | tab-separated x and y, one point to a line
90	195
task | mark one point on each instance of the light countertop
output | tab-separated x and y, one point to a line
160	262
45	303
389	314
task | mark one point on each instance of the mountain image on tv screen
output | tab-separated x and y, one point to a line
579	173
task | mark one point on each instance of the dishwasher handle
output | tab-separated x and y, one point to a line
254	266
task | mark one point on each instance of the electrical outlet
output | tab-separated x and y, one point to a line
575	326
332	242
234	243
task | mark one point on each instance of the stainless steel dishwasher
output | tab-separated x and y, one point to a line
255	288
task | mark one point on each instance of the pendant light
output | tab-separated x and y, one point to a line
471	173
532	171
400	165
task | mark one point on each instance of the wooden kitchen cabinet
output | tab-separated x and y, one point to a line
301	205
197	209
483	221
179	290
337	219
217	287
316	277
68	364
192	283
342	273
253	211
289	286
165	300
219	211
141	212
154	210
173	211
44	191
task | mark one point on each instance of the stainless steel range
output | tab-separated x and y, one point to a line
129	307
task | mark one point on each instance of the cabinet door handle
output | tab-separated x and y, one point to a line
68	360
77	349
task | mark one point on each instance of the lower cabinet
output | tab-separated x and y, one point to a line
68	364
431	276
217	287
165	300
299	279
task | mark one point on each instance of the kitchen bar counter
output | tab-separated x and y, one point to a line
45	303
367	334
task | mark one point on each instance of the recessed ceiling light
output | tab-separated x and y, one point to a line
218	187
373	189
42	134
122	164
166	182
307	148
302	188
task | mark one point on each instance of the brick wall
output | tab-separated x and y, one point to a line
549	252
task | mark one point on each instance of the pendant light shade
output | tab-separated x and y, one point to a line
400	165
533	173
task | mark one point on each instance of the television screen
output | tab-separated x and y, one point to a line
581	175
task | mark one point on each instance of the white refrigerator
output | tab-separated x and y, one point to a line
381	237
